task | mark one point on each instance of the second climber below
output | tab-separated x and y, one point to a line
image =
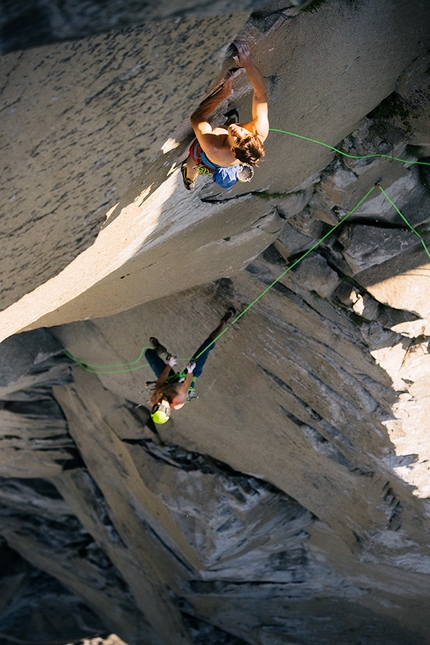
171	389
232	146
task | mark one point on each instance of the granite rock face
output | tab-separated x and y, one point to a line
35	606
39	22
289	502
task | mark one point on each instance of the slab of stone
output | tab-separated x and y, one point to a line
40	23
414	86
424	171
19	354
401	183
366	307
402	282
290	241
314	274
407	194
295	202
81	120
306	224
364	246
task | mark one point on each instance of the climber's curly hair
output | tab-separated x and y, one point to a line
249	149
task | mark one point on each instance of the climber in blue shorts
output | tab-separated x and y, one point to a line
171	389
226	151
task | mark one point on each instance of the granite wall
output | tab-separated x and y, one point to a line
289	503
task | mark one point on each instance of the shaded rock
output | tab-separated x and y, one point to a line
336	182
346	180
295	202
366	307
34	436
347	294
35	607
363	250
323	208
425	172
305	223
19	355
414	86
234	522
57	544
405	192
41	23
314	274
290	242
370	142
204	633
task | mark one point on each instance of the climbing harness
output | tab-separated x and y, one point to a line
120	368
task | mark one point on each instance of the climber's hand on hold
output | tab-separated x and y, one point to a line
190	367
243	59
172	361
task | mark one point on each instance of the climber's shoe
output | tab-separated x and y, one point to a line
189	185
229	314
159	348
191	394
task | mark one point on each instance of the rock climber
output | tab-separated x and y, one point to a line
227	149
172	390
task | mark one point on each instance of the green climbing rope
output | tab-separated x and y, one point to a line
346	154
405	220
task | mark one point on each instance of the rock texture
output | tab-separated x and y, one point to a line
155	210
289	503
39	22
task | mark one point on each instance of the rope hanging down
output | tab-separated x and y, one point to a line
121	368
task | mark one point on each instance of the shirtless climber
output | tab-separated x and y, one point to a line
171	389
235	145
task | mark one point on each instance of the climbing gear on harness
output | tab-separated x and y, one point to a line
188	183
192	396
202	170
160	413
197	153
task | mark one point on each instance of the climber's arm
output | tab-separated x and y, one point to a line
181	396
201	126
260	110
